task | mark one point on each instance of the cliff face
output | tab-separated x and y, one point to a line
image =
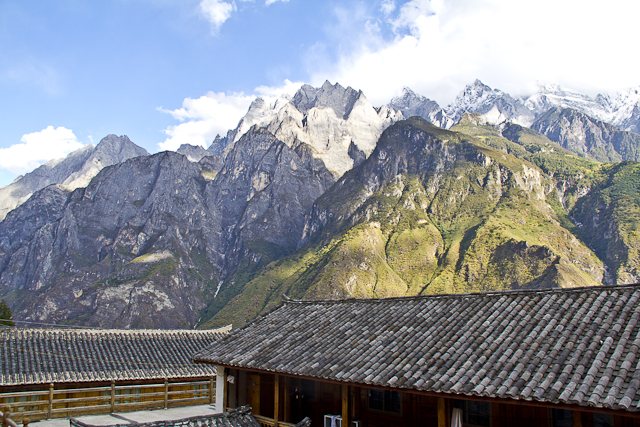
74	171
150	240
312	197
588	137
434	211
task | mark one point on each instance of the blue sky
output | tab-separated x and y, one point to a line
170	71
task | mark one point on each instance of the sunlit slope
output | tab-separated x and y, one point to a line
433	211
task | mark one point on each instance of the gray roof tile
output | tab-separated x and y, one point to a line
37	356
576	346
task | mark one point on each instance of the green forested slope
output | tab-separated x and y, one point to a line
473	209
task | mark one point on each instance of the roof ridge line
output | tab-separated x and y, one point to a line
222	329
461	295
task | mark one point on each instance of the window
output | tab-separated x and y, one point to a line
602	420
478	413
562	418
308	389
475	413
385	400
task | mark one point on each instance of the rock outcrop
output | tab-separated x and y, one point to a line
588	137
149	241
74	171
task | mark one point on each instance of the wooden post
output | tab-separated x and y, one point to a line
166	393
220	389
113	396
577	419
276	400
442	422
286	416
211	390
345	405
50	408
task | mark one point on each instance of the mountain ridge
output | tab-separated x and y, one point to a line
341	200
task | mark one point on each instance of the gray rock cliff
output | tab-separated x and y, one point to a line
149	242
74	171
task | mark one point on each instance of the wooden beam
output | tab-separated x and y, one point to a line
50	408
286	416
221	381
345	405
569	407
276	400
112	401
442	415
577	419
166	393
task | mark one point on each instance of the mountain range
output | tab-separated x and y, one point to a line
324	195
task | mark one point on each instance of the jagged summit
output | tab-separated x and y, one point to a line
554	95
587	136
74	171
411	104
495	105
339	123
335	96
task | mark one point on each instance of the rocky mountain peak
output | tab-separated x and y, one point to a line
495	105
411	104
118	147
554	95
588	136
335	96
74	171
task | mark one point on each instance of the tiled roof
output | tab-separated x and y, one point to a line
574	346
37	356
240	417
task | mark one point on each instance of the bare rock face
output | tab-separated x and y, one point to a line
411	104
149	241
194	153
74	171
588	137
328	119
495	105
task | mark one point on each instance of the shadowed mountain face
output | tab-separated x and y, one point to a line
149	241
74	171
433	211
323	195
588	137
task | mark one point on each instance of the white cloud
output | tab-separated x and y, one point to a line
287	88
204	118
216	11
387	6
441	45
215	113
37	148
270	2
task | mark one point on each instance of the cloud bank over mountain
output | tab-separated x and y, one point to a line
438	46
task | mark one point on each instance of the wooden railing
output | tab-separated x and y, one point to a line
52	403
270	422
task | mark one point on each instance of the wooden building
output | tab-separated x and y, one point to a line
239	417
48	373
557	357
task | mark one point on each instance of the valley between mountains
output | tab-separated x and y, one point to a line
323	195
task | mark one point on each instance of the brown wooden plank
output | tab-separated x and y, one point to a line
80	390
345	405
24	393
80	399
442	416
276	398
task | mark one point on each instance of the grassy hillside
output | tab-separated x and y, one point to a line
435	211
